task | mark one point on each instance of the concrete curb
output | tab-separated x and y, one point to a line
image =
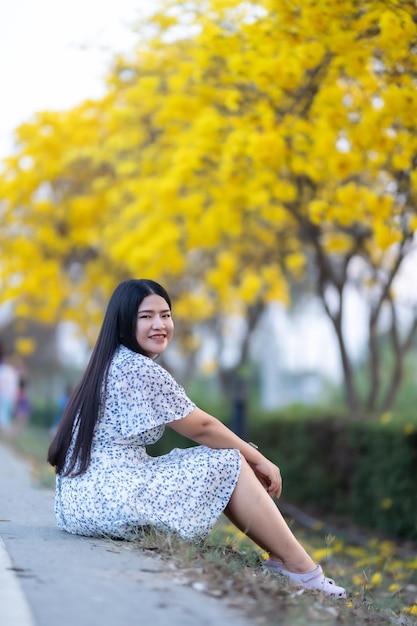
13	608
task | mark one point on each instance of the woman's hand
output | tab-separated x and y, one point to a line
269	476
208	431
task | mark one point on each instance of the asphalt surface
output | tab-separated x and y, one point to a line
49	577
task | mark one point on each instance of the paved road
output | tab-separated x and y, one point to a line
50	578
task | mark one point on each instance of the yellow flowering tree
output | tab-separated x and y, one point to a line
244	146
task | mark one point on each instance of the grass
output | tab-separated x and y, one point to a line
33	443
382	586
379	575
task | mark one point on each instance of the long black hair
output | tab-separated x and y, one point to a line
84	405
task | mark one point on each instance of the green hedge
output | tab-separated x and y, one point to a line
43	414
365	470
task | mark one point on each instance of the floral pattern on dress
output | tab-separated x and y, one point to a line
124	488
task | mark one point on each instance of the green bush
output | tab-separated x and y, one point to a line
43	414
363	469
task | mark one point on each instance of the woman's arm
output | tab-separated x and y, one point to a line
209	431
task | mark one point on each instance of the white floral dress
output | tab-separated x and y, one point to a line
124	488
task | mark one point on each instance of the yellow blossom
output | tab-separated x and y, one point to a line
25	346
385	418
386	503
320	555
208	156
412	610
358	579
376	579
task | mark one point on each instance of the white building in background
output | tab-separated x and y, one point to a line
6	314
295	351
72	346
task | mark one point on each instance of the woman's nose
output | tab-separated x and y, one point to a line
158	322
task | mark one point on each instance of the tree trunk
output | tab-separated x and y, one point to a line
234	386
328	278
399	351
348	374
374	362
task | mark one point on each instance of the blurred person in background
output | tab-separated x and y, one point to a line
61	404
9	386
22	409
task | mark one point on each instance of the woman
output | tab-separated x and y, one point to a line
107	485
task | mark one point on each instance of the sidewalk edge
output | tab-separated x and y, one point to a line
14	609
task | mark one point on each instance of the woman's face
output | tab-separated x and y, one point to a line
154	326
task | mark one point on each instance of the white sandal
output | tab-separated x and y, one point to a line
311	580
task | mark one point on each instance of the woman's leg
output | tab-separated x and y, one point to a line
254	512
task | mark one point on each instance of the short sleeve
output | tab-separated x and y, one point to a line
143	394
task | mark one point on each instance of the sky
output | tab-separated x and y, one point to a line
55	54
